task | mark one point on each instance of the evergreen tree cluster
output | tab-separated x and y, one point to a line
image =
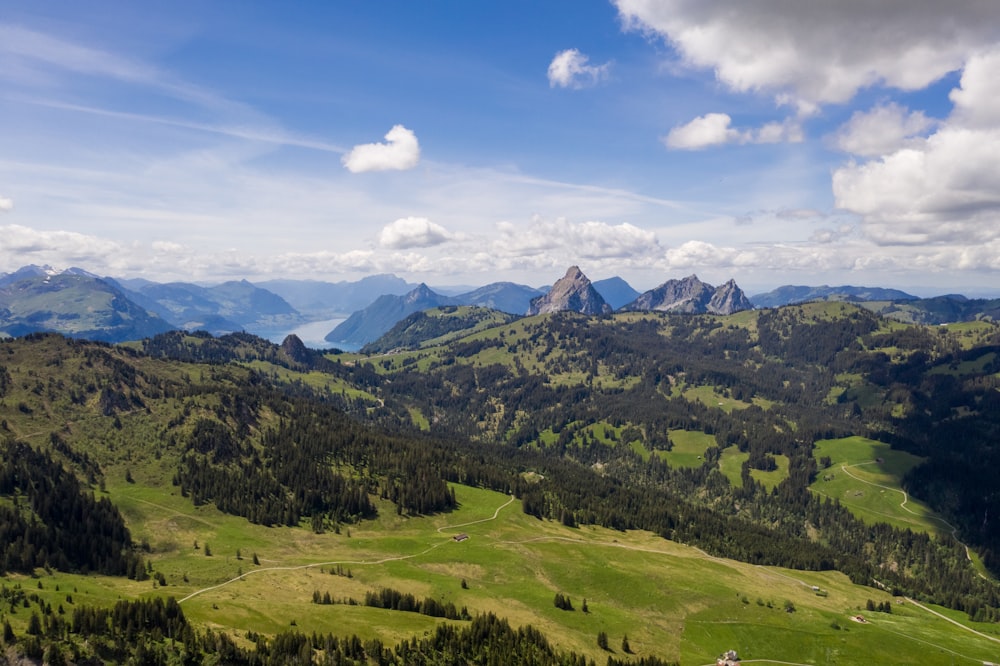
62	526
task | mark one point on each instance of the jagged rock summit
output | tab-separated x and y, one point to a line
572	292
692	296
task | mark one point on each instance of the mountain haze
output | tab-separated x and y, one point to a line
370	323
616	291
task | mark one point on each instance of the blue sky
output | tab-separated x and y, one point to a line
461	143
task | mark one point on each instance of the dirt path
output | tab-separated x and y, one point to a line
476	522
955	622
351	562
902	505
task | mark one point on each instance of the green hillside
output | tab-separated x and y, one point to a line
704	483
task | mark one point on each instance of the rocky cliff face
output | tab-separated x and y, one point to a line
572	292
728	299
692	296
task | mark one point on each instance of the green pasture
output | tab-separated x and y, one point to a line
709	397
688	448
865	476
731	464
671	600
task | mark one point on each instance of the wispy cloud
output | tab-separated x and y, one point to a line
571	69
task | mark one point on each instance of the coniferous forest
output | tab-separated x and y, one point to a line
574	416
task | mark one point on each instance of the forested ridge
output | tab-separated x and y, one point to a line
568	413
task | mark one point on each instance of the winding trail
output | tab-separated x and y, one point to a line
587	542
902	505
476	522
352	562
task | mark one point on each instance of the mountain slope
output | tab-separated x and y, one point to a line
369	324
76	304
223	308
573	292
616	291
436	326
503	296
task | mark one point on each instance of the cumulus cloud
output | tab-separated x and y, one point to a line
977	99
6	204
715	129
712	129
940	190
569	69
884	129
812	53
586	240
409	232
401	151
20	245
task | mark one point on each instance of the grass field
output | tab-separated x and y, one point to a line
731	464
688	448
671	600
866	475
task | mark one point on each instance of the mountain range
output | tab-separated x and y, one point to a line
573	292
80	304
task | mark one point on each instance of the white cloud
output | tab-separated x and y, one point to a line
813	53
6	204
409	232
712	129
884	129
20	245
715	129
400	152
586	240
977	99
569	69
942	190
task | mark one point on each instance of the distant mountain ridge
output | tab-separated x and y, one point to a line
223	308
616	291
791	294
367	325
326	299
78	303
74	303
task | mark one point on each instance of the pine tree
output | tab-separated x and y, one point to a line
8	633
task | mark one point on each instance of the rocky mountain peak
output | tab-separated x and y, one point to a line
295	349
691	295
420	293
572	292
729	298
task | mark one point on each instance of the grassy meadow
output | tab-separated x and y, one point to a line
865	476
671	600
